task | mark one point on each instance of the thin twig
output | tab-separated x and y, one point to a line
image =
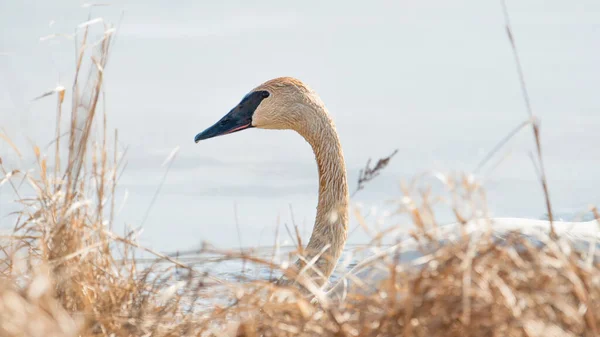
367	174
534	123
162	181
239	234
500	144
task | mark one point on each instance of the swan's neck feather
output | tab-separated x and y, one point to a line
331	222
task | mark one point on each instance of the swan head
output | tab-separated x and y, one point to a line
281	103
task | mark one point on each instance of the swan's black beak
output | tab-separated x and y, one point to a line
238	119
232	122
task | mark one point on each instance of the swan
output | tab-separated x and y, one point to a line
286	103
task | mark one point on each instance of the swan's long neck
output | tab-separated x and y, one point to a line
331	224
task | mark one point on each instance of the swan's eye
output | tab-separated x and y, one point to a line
265	94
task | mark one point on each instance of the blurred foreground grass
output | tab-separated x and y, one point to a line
64	272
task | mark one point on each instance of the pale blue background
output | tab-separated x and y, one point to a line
435	79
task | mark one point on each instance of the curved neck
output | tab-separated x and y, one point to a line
331	223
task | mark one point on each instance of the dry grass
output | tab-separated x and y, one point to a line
65	273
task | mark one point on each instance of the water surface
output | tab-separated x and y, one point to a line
433	79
